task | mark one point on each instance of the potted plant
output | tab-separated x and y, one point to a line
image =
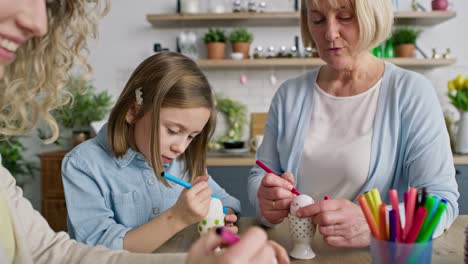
87	106
404	41
12	151
215	39
240	40
458	96
236	114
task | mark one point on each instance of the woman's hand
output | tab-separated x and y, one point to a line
341	222
229	221
275	196
193	204
253	247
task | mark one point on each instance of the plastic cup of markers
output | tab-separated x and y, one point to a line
387	252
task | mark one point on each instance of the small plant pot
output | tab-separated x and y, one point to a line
405	50
216	50
242	47
233	144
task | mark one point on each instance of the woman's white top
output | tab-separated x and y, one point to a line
336	156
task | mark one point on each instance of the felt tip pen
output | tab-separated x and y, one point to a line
227	236
179	181
268	170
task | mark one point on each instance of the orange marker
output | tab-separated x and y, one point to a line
369	217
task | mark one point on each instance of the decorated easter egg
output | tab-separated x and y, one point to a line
214	218
300	201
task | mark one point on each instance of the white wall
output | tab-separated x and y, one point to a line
126	38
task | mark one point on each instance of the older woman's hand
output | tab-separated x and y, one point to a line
341	222
275	196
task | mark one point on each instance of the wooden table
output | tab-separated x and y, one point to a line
446	249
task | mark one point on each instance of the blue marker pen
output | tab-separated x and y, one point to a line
180	182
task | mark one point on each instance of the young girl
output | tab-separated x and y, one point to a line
162	121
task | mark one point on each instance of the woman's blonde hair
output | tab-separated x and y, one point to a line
166	79
375	20
33	84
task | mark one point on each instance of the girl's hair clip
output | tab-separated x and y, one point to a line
138	94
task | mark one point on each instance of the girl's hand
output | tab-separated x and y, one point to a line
275	196
341	222
229	221
193	204
253	247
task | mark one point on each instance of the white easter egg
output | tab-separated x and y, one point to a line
300	201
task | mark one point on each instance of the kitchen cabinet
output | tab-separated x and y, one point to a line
462	180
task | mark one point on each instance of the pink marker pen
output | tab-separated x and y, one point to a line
227	236
268	170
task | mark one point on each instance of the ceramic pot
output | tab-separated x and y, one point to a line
461	141
242	47
216	51
405	50
440	5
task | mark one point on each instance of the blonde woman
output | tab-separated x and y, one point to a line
162	121
39	43
354	124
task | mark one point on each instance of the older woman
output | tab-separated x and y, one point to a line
354	124
46	39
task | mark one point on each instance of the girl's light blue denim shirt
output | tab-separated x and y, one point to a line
107	196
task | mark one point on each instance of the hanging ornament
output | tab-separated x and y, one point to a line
243	79
273	79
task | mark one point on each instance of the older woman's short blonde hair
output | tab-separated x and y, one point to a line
33	84
375	19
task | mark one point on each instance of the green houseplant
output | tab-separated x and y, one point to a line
236	115
215	39
12	150
87	106
404	41
241	39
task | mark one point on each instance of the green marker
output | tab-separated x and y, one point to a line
426	235
431	201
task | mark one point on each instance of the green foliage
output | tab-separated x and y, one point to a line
240	35
459	99
236	114
404	35
13	160
214	35
86	107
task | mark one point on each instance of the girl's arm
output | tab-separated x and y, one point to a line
191	207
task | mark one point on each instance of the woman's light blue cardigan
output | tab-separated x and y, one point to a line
410	144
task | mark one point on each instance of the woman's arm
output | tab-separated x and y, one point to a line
37	241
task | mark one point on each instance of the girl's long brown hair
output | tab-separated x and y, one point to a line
166	79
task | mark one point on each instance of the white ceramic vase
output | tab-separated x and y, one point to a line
302	231
461	141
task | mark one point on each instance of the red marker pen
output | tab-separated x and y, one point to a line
265	168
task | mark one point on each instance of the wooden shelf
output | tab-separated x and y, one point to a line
231	161
460	159
224	20
298	63
277	19
423	18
